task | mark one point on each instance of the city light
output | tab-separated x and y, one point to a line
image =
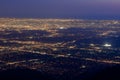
58	46
107	45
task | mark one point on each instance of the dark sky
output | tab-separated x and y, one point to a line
60	9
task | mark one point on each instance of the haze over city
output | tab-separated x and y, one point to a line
81	9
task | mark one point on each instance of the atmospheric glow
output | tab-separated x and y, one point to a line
60	8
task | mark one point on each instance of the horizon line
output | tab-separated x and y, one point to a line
58	18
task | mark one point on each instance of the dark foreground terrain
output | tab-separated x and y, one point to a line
111	73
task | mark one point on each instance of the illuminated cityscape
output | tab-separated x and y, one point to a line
59	46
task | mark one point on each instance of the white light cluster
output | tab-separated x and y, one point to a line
107	45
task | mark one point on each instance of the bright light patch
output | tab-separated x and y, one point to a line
61	28
107	45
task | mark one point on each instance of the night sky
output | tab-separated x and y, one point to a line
88	9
